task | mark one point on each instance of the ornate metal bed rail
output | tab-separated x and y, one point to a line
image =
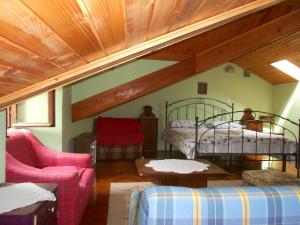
205	110
195	107
286	132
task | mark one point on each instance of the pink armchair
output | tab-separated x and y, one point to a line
28	160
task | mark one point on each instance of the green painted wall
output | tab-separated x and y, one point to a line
2	145
286	103
115	77
230	87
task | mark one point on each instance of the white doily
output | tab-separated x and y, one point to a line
23	194
177	166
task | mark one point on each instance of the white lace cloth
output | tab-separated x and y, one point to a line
177	166
23	194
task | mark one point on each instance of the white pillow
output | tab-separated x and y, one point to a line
181	124
224	125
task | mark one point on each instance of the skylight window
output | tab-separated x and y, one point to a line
288	68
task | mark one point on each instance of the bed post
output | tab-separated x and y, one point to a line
232	110
166	123
298	151
196	137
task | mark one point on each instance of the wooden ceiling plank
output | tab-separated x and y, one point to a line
189	10
138	15
107	19
249	41
132	90
259	60
13	75
15	56
30	32
162	14
69	22
218	35
135	51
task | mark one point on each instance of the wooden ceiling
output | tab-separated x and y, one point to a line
257	61
49	43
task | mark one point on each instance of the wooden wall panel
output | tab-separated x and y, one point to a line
67	20
21	26
106	18
138	18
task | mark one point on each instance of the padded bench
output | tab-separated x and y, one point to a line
119	138
269	178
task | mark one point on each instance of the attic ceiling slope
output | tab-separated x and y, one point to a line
54	43
227	49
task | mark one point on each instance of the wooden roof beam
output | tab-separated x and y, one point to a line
136	51
133	90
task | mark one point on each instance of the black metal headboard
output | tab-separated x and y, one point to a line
201	107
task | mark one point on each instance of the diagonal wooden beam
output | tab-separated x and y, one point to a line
216	55
132	90
137	51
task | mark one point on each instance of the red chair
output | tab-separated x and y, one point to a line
28	160
119	138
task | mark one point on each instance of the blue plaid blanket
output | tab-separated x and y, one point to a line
164	205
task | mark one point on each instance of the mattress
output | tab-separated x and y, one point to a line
233	141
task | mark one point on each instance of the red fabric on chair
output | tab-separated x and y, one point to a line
28	160
118	131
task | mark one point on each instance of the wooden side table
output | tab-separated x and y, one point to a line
150	131
40	213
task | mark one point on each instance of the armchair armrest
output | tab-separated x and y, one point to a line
65	180
73	159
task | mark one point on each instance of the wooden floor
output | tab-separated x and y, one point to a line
125	171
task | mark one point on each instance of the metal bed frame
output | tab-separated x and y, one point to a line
226	113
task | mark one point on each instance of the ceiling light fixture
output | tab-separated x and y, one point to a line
288	68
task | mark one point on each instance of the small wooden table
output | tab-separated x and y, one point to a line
193	180
40	213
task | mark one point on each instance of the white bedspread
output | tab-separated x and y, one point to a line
184	140
23	194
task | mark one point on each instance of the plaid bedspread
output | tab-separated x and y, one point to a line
163	205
